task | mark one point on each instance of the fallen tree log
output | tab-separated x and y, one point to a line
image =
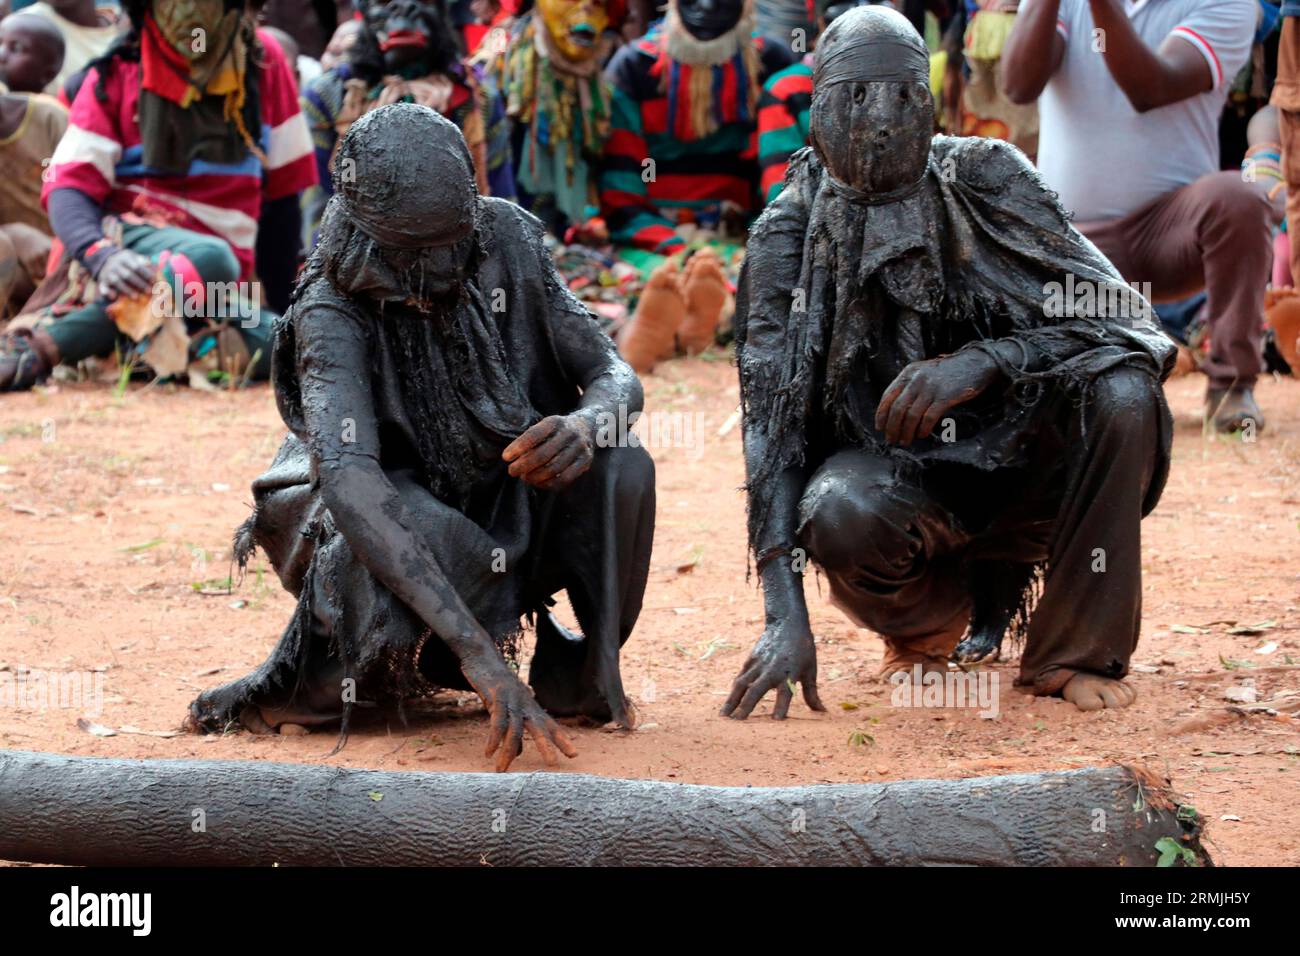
95	811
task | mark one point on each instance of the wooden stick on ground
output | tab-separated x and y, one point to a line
92	811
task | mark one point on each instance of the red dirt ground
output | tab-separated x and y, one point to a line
113	509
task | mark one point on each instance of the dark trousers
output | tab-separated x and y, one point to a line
1214	235
898	561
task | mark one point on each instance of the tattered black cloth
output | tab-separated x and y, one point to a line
841	293
1021	487
433	388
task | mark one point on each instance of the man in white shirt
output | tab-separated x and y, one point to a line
1130	93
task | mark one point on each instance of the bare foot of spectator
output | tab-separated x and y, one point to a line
706	295
648	338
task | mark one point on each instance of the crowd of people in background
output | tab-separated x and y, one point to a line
187	148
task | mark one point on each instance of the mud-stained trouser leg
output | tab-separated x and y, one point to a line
594	543
891	554
1091	608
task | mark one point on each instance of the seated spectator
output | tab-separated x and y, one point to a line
31	124
408	53
289	47
1285	100
1262	166
1129	139
31	52
88	31
683	141
343	40
160	179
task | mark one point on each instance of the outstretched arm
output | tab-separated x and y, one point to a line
785	652
343	433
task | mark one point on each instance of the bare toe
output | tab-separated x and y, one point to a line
1093	692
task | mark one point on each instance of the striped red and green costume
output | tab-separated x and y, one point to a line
782	124
690	176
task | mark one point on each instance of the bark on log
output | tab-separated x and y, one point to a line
93	811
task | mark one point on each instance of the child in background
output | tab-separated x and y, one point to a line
31	124
88	31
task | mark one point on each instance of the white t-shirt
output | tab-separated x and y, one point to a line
1104	158
80	44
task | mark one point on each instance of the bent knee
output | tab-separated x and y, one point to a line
1124	392
1240	208
631	467
213	258
861	527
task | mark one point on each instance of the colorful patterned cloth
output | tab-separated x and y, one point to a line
690	177
782	124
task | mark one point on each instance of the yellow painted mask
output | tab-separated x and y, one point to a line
575	26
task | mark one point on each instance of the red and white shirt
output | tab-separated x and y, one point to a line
1104	158
101	156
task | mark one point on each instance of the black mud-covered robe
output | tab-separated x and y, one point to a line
841	291
435	405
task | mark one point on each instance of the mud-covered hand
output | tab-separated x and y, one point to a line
125	273
512	710
554	453
924	392
783	656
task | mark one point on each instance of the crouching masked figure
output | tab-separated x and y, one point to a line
936	414
445	396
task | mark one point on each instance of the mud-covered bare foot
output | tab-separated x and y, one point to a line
1094	692
907	664
978	646
659	313
705	285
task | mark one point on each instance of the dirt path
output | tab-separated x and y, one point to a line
116	515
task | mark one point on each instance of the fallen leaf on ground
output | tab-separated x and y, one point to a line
99	730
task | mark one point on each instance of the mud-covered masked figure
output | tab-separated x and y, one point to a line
685	101
408	52
446	473
559	101
952	402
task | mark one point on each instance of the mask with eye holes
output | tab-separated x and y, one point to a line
872	112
